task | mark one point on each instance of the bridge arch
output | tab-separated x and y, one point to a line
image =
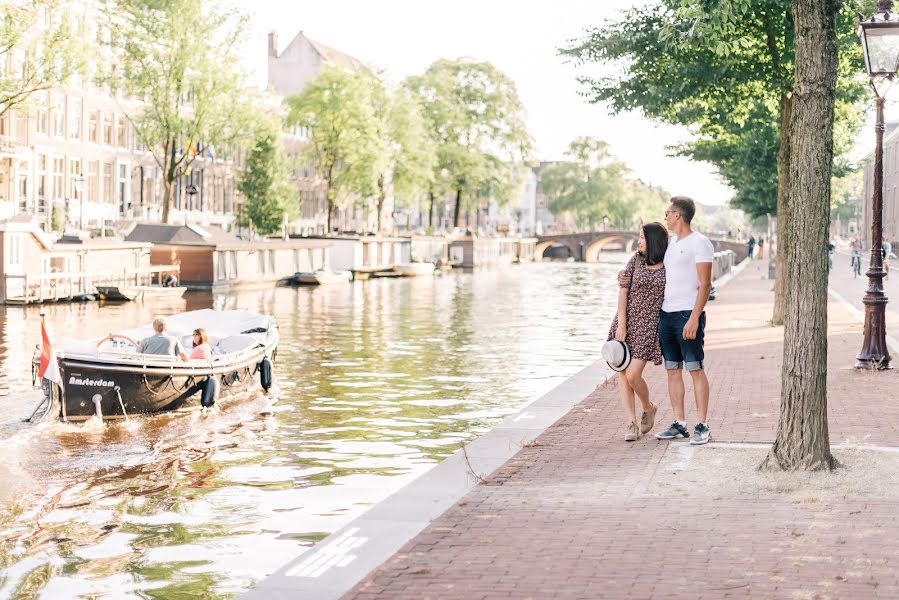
545	245
594	249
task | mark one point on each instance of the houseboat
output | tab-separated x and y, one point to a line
211	258
365	254
34	267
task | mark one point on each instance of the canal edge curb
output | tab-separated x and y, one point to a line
335	565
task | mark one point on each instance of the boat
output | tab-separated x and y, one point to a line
120	293
322	277
108	378
414	269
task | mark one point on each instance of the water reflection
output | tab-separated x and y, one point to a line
375	382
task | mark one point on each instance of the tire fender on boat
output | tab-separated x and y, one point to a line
265	373
210	391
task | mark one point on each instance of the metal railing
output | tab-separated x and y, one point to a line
51	287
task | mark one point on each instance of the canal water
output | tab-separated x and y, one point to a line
375	383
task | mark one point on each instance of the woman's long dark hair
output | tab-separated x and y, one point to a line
656	237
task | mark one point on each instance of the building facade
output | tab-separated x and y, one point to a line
70	156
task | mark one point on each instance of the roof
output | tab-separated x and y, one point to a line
204	235
336	57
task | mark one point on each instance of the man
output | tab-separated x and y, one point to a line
688	281
751	246
161	342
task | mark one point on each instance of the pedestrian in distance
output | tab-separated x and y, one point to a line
855	248
751	246
761	247
636	325
887	252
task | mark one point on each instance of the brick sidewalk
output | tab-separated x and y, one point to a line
571	516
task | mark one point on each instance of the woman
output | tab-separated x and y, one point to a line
637	322
202	350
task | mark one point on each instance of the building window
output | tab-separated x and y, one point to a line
20	125
75	109
121	131
43	115
59	173
74	174
42	184
122	189
107	182
93	127
58	115
93	181
107	128
23	192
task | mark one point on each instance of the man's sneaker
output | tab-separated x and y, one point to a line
648	419
701	434
676	430
633	434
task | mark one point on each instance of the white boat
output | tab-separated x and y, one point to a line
322	277
415	269
110	379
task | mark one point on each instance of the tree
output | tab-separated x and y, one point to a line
179	59
477	122
409	150
45	49
345	148
266	184
803	441
723	67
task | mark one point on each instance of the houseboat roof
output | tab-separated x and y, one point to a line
66	244
209	235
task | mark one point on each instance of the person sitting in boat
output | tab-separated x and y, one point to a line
202	350
161	342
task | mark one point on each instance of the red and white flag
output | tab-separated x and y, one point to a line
48	369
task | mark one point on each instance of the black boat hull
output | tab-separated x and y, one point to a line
98	389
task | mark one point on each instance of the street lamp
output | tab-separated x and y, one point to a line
79	189
880	41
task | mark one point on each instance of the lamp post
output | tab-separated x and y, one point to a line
880	41
191	191
79	189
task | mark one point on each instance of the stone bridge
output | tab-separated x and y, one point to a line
586	247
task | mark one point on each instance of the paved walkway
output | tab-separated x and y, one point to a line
582	514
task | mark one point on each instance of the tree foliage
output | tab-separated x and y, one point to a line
409	150
179	58
477	121
592	188
44	44
721	69
346	148
266	184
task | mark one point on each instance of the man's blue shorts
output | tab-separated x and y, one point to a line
678	352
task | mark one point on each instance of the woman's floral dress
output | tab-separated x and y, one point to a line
644	302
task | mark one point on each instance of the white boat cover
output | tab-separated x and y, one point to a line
228	330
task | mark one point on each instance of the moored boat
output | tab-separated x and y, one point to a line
107	377
119	293
415	269
322	277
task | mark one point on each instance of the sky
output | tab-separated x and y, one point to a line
403	37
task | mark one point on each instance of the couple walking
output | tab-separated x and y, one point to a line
664	289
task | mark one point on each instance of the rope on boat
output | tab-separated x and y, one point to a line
118	391
161	387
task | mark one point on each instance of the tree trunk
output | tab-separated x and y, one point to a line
803	441
167	199
458	207
783	211
431	211
169	178
382	197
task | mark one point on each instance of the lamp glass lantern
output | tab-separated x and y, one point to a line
880	41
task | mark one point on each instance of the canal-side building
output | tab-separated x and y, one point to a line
70	158
890	191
